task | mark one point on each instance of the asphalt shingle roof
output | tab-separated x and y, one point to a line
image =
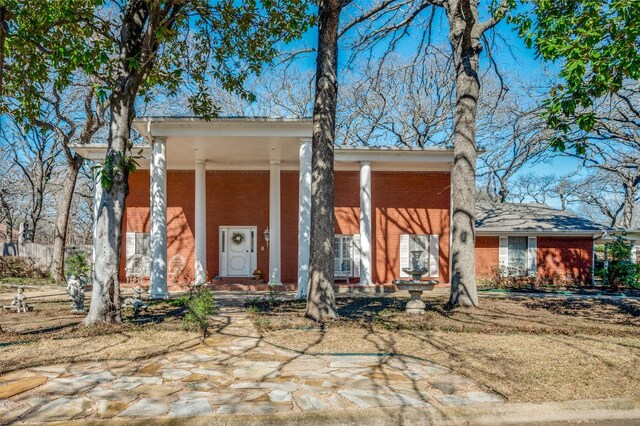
530	217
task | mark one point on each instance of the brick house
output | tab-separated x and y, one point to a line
534	240
231	196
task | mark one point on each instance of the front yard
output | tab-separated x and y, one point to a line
527	349
50	334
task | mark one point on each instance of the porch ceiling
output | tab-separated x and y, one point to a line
228	143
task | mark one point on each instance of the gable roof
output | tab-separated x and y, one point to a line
531	218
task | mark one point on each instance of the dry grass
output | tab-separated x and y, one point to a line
526	349
52	335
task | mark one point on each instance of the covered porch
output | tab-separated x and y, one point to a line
262	164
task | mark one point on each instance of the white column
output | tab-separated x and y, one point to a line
274	223
97	198
158	219
365	223
304	218
201	223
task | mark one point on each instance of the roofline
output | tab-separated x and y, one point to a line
242	119
546	232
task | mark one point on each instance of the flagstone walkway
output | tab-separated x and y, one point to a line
233	371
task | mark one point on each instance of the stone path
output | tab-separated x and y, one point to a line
233	371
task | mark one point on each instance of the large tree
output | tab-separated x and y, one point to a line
596	45
143	44
321	302
389	21
77	116
34	153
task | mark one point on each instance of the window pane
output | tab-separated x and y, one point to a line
143	244
517	255
418	242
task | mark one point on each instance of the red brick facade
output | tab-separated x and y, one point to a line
487	256
565	259
402	203
559	259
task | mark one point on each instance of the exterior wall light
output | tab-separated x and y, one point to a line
266	234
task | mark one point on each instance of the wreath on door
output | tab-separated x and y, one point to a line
237	238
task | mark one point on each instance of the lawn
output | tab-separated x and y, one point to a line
50	334
527	349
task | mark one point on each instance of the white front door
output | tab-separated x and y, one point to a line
237	251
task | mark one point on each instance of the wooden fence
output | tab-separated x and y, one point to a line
42	254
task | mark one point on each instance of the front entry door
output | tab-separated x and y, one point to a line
237	251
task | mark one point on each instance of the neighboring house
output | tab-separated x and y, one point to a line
534	240
233	195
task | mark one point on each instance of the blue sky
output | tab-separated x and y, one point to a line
513	59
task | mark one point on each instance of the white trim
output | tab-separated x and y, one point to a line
275	268
532	256
224	127
304	217
158	195
200	261
434	255
365	263
353	258
541	233
503	255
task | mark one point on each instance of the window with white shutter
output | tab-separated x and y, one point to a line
518	256
428	244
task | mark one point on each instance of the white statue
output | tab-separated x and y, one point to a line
20	301
75	287
135	302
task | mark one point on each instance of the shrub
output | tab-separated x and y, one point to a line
77	264
511	278
621	271
19	267
200	306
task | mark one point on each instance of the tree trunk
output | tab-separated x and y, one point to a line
64	197
5	15
321	303
628	206
105	297
466	48
503	193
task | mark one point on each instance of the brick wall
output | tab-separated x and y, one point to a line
559	258
239	198
565	258
408	203
487	256
402	203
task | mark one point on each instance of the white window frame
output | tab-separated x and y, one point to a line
353	255
132	250
531	261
